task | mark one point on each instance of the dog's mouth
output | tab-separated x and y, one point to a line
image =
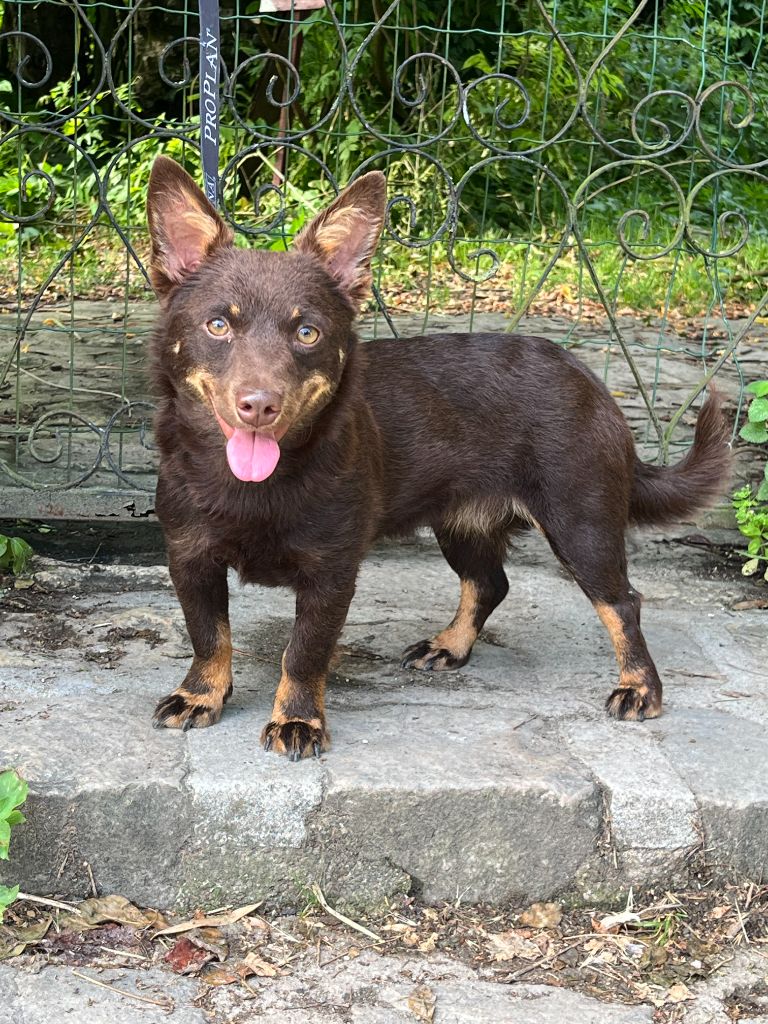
252	455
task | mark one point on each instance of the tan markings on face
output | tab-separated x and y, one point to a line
296	313
201	380
313	391
341	355
234	310
611	619
459	637
177	348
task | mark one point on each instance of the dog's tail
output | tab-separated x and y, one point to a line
662	494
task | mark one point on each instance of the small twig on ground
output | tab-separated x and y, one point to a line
63	865
313	1006
165	1004
249	988
87	867
340	917
124	952
44	901
741	920
371	945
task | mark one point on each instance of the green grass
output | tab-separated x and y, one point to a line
421	278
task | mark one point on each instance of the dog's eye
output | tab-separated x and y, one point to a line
307	335
218	327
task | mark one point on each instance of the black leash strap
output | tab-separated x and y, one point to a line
209	97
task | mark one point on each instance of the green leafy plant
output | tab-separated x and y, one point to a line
15	554
752	521
752	508
755	429
13	793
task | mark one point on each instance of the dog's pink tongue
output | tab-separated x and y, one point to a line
252	456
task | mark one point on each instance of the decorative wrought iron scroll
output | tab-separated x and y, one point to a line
74	408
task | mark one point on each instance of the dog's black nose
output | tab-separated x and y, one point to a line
258	408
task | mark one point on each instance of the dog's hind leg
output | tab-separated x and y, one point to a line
201	586
478	560
596	558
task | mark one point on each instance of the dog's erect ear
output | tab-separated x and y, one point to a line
345	235
183	225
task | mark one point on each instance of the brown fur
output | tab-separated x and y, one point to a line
475	435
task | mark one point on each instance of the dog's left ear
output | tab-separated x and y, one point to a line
345	235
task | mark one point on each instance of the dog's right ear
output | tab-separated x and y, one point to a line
184	227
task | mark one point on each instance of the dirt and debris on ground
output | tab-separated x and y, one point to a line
656	951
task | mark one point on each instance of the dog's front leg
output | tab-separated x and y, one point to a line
297	727
201	586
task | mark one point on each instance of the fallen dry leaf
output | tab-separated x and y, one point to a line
613	921
212	940
429	944
253	964
216	921
185	957
421	1003
219	976
101	909
14	939
511	945
542	915
718	913
678	993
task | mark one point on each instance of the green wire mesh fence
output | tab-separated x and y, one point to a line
592	171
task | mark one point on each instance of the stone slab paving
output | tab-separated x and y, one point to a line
501	781
371	989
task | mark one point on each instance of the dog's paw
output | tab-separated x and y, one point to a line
429	658
633	704
180	710
296	738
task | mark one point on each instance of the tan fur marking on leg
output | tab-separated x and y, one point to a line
612	622
287	690
217	670
200	709
461	634
290	733
644	701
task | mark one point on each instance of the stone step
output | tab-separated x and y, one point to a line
502	781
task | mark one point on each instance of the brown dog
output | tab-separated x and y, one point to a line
287	448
